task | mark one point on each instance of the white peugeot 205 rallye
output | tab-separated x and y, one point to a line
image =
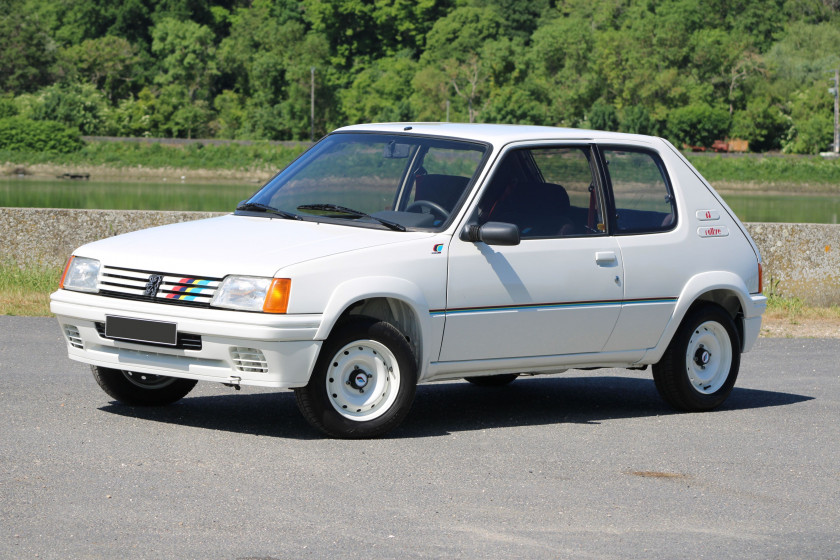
393	254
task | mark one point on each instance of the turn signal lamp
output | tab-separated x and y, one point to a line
277	298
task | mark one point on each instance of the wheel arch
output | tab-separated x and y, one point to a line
725	289
390	299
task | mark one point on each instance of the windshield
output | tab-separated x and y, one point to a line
374	179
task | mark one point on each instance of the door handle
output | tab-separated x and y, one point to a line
605	258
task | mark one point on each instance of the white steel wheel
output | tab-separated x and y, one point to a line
363	380
363	383
708	357
698	370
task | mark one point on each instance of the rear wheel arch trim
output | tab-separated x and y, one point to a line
693	294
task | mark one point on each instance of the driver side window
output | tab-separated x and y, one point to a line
545	192
443	177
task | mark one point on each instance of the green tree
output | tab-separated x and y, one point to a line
762	124
230	114
453	59
80	106
135	116
461	34
637	120
270	64
26	49
360	31
187	54
8	108
22	134
522	104
381	92
603	116
109	63
698	125
811	121
559	63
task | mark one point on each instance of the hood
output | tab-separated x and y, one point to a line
245	245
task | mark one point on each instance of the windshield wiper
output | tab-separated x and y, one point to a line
257	207
344	210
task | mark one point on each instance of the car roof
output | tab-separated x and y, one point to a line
495	133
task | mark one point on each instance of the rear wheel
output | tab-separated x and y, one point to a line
493	380
363	383
144	389
700	366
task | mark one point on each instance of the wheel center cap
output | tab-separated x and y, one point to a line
702	357
360	379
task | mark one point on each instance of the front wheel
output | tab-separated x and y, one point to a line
142	389
363	383
700	366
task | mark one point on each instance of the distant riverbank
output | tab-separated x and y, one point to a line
144	159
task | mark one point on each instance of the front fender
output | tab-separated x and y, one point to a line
358	289
698	286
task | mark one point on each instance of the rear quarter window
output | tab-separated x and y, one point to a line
641	192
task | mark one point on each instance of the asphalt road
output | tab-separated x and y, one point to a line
583	465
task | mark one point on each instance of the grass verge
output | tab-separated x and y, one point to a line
795	312
793	172
25	290
259	155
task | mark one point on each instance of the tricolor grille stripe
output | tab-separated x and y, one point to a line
174	288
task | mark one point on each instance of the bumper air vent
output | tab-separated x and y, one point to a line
73	337
249	360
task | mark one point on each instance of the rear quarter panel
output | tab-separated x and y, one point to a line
708	249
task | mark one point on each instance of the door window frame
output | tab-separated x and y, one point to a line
597	174
612	212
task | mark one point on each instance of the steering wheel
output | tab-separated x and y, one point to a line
433	207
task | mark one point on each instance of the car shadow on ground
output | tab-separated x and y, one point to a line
443	408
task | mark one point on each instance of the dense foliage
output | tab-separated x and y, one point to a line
22	135
691	70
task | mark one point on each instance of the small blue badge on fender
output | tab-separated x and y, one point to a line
437	249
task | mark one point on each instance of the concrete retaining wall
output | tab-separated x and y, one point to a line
800	260
47	236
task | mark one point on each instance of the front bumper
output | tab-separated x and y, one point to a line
235	347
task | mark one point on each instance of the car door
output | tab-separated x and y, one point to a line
559	291
644	222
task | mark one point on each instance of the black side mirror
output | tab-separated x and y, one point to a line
492	233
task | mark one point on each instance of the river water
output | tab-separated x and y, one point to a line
212	197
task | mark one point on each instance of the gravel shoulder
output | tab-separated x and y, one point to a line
784	327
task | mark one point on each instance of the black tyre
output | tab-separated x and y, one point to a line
143	389
700	366
364	381
493	380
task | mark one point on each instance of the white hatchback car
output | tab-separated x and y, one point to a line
393	254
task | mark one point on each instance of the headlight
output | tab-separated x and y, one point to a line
81	275
249	293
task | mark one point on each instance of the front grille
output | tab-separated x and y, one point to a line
186	341
159	287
